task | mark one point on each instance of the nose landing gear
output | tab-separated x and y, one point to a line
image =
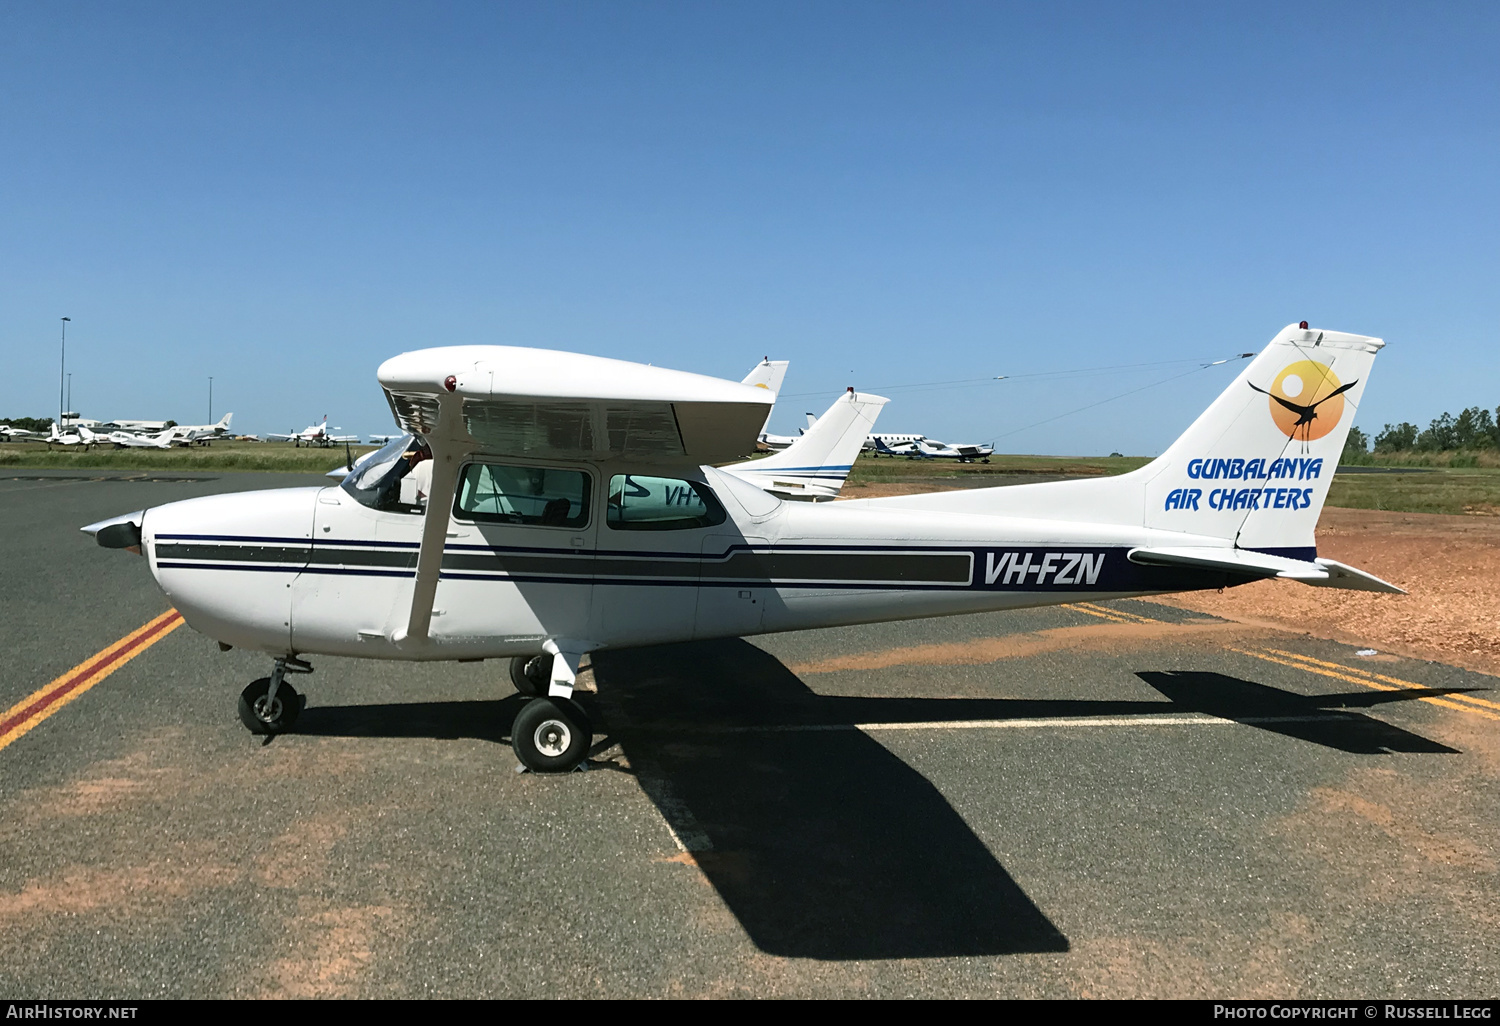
270	705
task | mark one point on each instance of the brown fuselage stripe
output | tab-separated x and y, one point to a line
938	568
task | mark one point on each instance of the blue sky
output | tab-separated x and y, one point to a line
283	195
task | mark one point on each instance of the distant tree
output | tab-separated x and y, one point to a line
1474	428
170	424
1396	437
1356	445
1441	435
28	423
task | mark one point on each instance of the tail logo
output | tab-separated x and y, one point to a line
1306	399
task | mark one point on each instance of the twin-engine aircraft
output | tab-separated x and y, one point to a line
920	447
314	435
572	505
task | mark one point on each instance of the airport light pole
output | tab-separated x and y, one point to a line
62	374
70	388
210	398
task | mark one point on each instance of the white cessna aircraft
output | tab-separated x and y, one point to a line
315	434
571	509
163	439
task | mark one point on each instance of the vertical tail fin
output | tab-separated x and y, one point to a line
768	374
1256	466
817	464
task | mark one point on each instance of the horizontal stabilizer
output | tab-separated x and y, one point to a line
1324	573
1341	575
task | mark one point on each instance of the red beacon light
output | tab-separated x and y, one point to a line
1303	326
450	382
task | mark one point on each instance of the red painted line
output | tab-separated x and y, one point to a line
61	689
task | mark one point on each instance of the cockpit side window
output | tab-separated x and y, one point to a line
540	496
641	503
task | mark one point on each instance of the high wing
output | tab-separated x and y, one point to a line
509	400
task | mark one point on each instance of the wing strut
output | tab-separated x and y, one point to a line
447	457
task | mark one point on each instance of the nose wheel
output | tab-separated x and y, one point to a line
262	713
271	705
551	735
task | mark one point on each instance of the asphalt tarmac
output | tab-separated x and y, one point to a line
1120	800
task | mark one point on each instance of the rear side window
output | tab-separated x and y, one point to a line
541	496
641	503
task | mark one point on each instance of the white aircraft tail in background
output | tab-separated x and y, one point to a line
769	374
816	465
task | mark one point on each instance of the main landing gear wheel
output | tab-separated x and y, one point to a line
531	675
551	735
274	717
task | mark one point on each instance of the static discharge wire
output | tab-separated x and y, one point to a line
1074	373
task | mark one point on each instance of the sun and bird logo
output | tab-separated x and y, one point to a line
1306	399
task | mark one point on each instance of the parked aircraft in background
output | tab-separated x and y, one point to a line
73	436
15	434
579	510
886	443
132	425
163	439
920	447
818	462
202	433
315	434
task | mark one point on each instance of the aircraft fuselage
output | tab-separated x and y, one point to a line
315	571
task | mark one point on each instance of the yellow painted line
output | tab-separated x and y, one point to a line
1079	607
45	701
1118	615
1297	664
1486	703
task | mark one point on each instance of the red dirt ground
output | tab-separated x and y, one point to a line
1449	565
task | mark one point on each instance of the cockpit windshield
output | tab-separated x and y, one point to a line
389	479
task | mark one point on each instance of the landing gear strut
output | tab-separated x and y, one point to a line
270	705
551	735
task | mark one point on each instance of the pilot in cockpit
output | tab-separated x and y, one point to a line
396	478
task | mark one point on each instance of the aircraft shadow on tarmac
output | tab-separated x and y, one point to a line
1322	719
824	844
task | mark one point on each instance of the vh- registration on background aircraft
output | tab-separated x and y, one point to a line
573	506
